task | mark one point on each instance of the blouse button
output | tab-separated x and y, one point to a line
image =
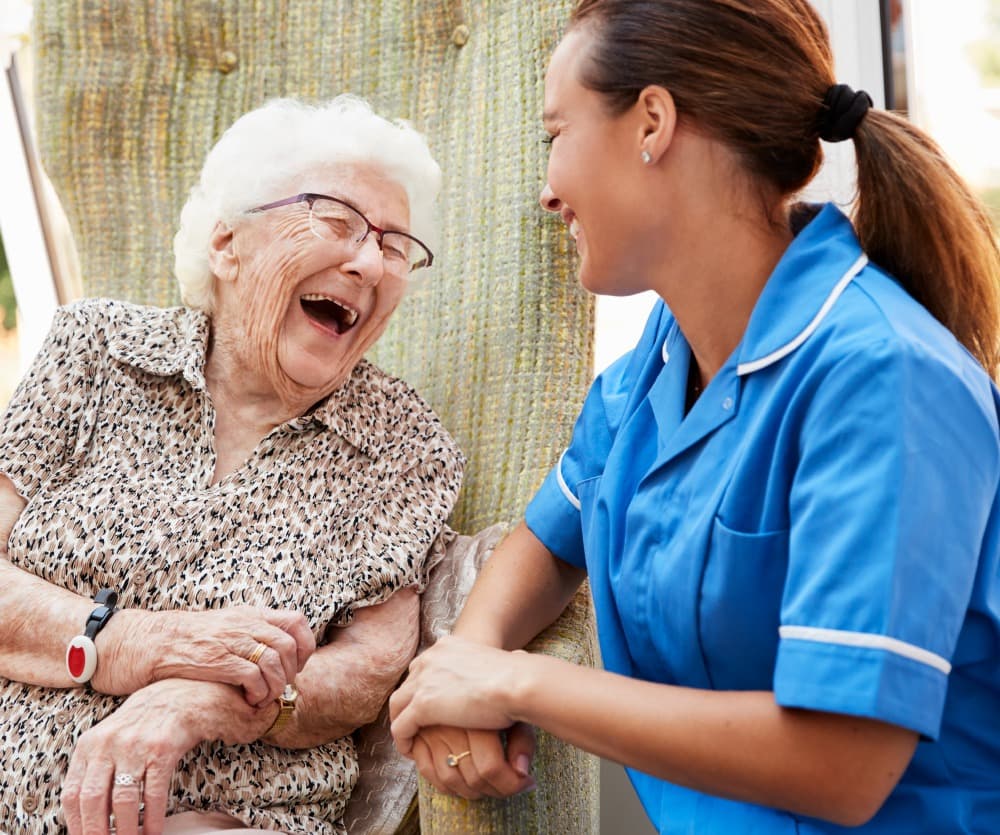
727	404
29	803
64	717
460	37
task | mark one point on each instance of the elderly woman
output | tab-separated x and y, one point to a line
193	500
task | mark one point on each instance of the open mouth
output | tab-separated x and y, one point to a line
328	313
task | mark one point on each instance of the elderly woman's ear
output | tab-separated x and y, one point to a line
222	258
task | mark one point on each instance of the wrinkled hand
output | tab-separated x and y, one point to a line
456	682
486	771
145	738
212	645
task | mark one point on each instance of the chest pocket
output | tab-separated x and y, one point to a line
740	605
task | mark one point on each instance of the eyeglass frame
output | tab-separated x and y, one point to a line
311	197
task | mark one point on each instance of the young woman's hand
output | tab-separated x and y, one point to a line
459	683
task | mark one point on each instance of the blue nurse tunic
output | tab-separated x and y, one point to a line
823	524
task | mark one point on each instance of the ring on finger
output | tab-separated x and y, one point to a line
256	654
454	759
124	779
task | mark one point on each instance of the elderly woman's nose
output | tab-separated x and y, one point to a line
549	201
366	263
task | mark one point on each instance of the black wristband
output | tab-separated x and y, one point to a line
102	614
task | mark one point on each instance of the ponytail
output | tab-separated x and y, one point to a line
919	220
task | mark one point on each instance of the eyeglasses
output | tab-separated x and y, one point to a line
333	219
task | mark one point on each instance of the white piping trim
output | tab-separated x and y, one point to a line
664	352
573	500
867	640
763	362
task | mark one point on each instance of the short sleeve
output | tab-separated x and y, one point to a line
898	472
553	515
40	428
400	540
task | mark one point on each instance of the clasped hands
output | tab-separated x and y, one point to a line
256	649
189	677
451	716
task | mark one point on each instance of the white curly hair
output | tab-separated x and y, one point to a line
275	145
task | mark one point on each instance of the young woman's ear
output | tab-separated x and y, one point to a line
222	258
657	118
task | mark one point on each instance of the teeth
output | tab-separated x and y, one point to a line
350	316
574	228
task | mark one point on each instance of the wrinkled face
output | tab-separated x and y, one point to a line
592	171
310	307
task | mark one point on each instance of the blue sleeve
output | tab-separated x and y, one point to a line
553	515
898	471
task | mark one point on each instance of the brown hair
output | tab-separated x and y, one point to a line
753	74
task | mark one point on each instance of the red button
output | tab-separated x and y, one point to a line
76	661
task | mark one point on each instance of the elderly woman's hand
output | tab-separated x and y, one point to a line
476	764
218	645
128	758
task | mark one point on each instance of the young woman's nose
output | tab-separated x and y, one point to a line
548	200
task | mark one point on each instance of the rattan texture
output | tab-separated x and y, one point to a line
130	95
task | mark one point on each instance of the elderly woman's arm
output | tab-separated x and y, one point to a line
38	618
343	685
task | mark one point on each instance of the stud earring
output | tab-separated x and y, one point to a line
646	157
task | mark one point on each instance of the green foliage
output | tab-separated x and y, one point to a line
991	197
985	53
7	303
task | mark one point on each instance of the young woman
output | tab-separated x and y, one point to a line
785	498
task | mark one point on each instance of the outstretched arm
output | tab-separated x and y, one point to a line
740	745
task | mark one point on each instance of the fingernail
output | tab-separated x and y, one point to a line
529	788
523	765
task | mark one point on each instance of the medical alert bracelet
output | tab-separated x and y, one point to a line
81	653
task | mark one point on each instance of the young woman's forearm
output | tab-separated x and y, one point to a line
740	745
521	589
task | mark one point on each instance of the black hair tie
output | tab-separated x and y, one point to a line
842	112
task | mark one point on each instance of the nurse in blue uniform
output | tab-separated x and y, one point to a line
786	497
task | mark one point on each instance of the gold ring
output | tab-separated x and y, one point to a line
454	759
258	651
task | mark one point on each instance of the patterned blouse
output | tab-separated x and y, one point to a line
109	438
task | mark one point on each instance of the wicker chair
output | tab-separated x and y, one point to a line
130	94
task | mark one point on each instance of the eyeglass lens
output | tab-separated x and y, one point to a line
336	221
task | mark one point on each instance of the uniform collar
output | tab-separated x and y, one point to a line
173	341
821	262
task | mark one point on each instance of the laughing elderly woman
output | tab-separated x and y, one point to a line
193	500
